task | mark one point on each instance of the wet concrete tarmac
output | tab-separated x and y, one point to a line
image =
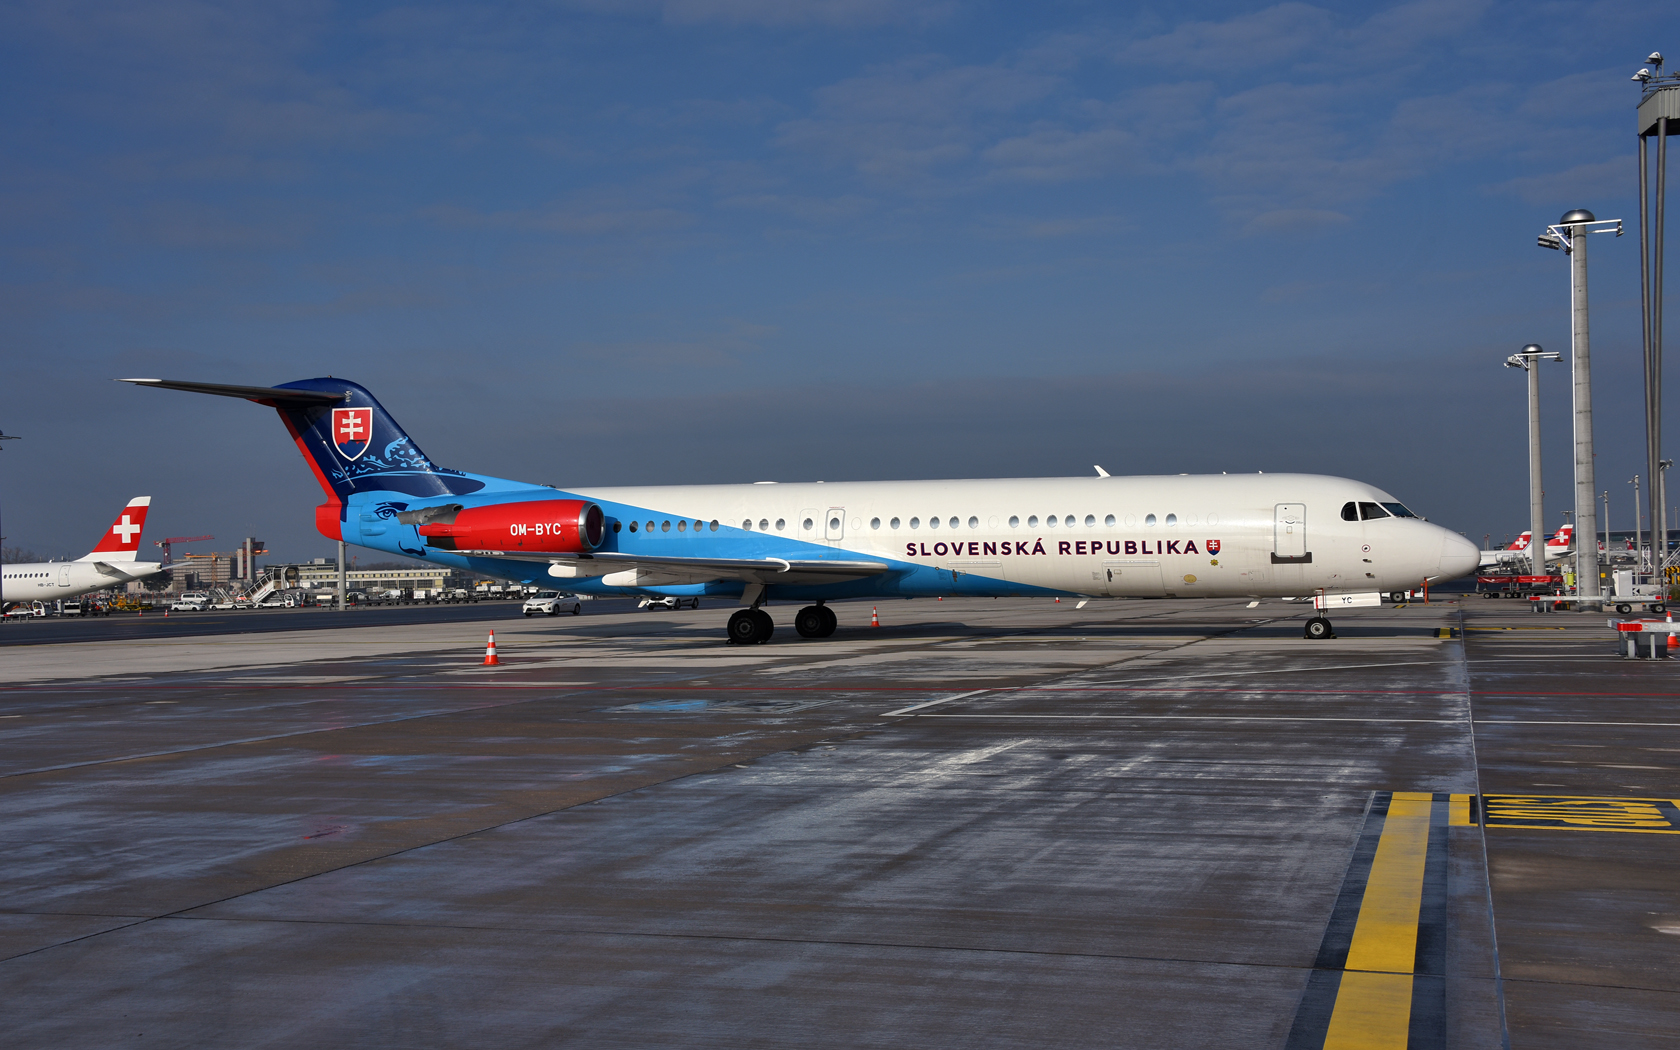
985	823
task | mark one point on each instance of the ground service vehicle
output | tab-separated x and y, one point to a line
1339	541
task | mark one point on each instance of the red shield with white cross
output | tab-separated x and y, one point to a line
1213	546
352	430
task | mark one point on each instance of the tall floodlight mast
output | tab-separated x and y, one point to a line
1659	117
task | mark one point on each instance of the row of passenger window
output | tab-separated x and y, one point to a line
1050	521
26	575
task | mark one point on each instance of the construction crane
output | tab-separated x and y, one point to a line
177	539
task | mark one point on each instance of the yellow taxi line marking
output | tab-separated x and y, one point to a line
1372	1012
1458	811
1385	937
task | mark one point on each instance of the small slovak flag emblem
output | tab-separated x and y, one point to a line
1213	546
352	430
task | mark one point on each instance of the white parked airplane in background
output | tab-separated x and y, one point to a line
111	563
1560	546
1344	543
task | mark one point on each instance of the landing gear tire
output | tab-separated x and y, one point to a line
830	621
809	621
1318	627
750	627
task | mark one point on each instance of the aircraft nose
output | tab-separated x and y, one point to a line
1459	557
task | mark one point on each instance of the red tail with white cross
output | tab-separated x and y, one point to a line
121	541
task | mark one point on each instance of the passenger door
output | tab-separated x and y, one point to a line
1289	533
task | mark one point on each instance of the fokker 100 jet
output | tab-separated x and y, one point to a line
111	563
1201	536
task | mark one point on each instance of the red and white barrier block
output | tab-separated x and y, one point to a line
1659	631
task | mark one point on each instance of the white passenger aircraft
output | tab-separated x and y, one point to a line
1559	546
1340	542
110	563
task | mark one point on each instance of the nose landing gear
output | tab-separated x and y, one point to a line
1318	627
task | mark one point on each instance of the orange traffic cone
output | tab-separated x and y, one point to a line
490	652
1673	642
875	617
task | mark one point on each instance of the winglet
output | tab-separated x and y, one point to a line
1101	473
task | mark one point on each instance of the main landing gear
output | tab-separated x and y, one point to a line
1318	627
815	621
750	627
754	626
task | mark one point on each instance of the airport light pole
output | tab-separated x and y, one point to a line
1659	117
1528	359
1606	498
342	589
1638	528
1570	235
4	437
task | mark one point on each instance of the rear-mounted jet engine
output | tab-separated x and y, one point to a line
551	526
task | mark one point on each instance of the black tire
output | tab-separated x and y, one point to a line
809	622
1624	609
577	610
553	610
1317	628
1659	608
743	627
527	612
1397	597
830	621
766	626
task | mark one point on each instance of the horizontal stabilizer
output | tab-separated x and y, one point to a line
273	396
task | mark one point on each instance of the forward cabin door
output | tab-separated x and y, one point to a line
1289	532
834	524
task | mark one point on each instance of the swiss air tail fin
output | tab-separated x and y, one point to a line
1522	541
121	541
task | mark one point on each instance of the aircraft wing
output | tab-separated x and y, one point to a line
657	571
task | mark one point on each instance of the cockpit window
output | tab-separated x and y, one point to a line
1399	510
1350	511
1371	510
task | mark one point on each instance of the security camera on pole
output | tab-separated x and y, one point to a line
1528	359
1570	236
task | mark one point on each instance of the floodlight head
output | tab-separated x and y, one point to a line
1576	217
1552	241
1655	58
1517	361
1642	76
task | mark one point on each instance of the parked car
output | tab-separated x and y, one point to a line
553	603
273	601
188	603
669	602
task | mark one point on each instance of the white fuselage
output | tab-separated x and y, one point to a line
1151	536
48	581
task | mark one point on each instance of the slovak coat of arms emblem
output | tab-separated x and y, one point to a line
1213	546
352	430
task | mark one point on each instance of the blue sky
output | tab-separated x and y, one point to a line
660	241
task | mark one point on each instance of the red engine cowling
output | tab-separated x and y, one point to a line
549	526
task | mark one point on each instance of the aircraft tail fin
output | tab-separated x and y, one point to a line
350	442
121	541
